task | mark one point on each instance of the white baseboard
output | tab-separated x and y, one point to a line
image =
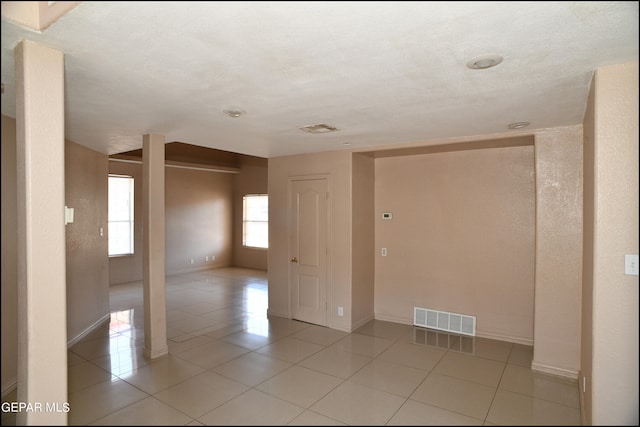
13	384
87	331
394	319
276	314
507	338
556	371
362	322
583	413
195	269
156	353
481	334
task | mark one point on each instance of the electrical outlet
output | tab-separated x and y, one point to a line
340	311
384	251
191	261
206	259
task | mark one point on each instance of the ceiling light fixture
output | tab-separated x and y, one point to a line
484	62
518	125
233	113
319	128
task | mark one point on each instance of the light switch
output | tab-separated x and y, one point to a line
631	264
68	215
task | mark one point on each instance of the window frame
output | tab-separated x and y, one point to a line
131	219
245	220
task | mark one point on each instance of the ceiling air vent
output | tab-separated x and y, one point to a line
319	128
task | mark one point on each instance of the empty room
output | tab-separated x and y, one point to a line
320	213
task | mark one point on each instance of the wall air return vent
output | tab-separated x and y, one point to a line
444	321
319	128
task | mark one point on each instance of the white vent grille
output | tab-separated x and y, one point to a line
444	321
319	128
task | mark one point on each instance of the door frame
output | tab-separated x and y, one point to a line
291	179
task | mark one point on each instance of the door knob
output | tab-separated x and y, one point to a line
294	259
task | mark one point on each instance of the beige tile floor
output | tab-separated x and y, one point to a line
229	364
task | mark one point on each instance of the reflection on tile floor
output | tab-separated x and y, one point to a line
229	364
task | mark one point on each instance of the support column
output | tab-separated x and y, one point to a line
42	307
155	311
558	258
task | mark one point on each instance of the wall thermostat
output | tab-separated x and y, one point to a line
387	215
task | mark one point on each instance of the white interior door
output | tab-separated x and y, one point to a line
308	263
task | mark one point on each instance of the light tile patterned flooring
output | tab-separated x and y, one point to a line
229	364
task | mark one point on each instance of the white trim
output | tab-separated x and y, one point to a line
13	384
362	322
394	319
155	353
87	331
507	338
186	271
555	371
583	410
479	334
276	314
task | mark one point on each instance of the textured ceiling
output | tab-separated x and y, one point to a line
382	73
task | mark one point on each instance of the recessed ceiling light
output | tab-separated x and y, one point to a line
518	125
484	62
233	113
319	128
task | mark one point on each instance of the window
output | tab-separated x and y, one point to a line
120	215
255	221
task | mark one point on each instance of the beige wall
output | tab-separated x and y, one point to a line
87	272
558	286
461	238
363	240
198	218
613	192
9	256
337	165
252	179
198	215
87	252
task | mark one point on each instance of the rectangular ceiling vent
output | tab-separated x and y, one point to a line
444	321
319	128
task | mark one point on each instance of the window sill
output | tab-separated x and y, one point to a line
121	255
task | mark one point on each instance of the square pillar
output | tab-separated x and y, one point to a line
155	310
42	306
